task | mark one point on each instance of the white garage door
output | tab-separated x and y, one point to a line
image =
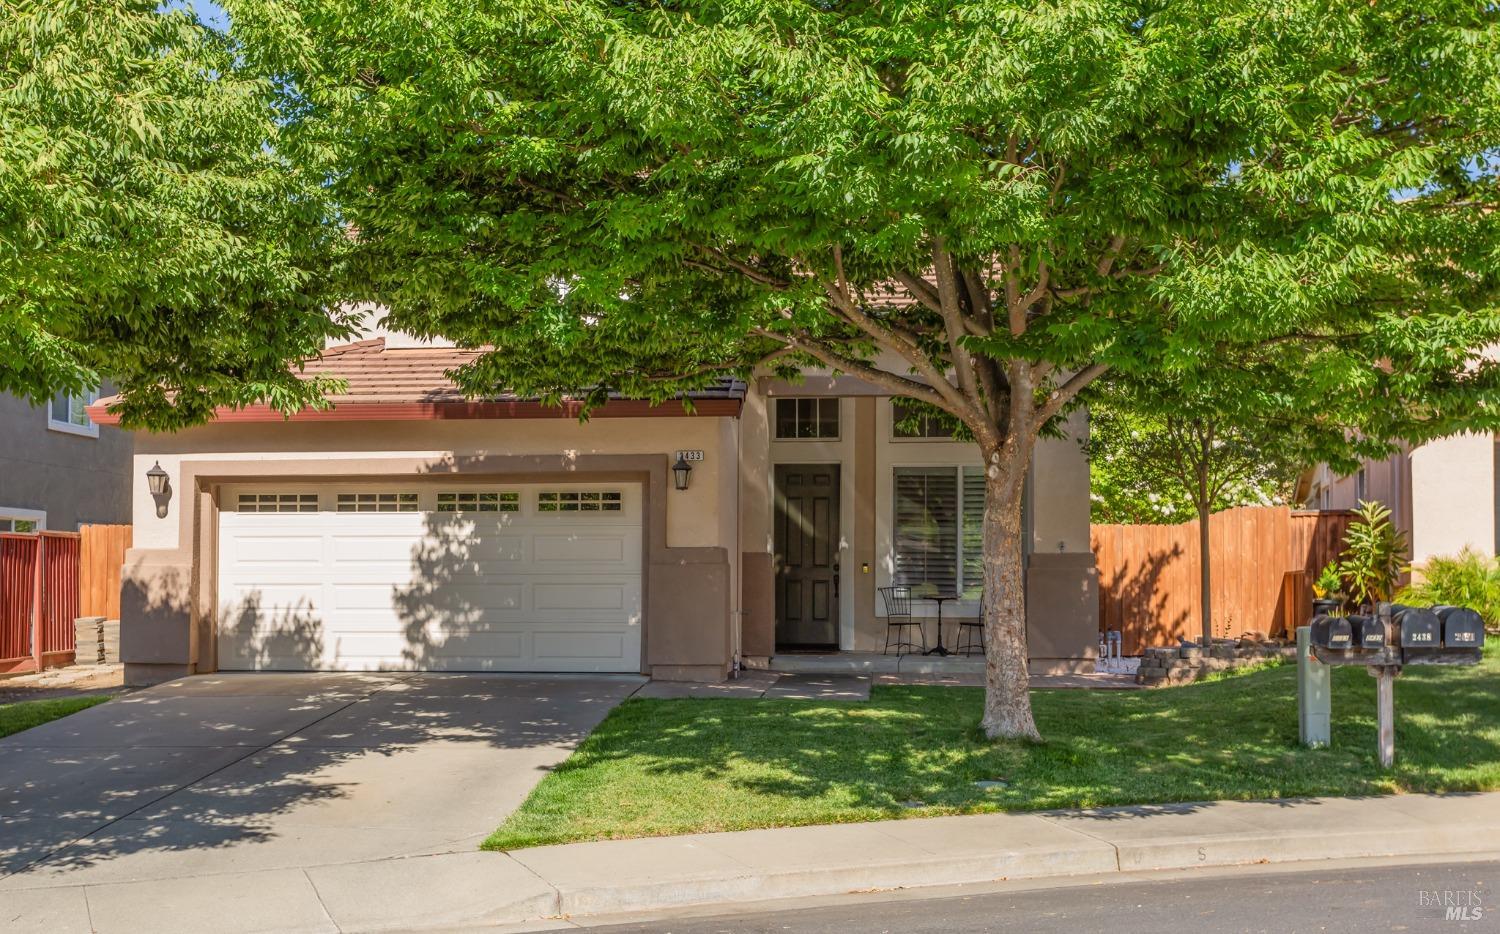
467	577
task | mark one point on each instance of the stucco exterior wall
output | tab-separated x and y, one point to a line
693	516
73	478
168	602
1060	491
1453	496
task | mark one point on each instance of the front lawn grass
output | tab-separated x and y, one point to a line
656	767
23	715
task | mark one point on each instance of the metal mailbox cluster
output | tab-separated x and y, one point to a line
1393	637
1398	635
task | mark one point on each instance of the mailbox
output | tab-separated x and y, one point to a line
1463	635
1369	632
1332	632
1354	640
1421	633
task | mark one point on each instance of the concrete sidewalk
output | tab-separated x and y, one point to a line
474	888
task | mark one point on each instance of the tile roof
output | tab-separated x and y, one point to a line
376	373
411	382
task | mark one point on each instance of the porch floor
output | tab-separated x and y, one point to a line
928	669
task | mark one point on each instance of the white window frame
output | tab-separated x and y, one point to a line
16	514
88	430
960	558
838	417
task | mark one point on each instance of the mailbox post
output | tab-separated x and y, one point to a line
1395	636
1385	712
1314	697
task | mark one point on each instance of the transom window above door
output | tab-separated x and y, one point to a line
807	419
938	540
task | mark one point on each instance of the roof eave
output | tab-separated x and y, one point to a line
438	411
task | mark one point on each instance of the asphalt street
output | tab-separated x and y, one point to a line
1437	897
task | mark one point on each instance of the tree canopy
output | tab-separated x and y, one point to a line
1143	464
982	205
152	232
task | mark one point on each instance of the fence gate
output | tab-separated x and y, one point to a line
38	599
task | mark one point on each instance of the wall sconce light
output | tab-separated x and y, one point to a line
681	472
160	486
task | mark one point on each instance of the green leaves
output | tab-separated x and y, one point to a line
1374	555
153	229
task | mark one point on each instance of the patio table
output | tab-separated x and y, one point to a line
939	599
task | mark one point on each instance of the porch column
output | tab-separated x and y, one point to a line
1062	580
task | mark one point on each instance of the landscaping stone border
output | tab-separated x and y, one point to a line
1183	664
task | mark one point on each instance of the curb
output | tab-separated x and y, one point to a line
622	876
537	886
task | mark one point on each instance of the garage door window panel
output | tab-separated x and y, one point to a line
579	501
377	502
278	502
479	501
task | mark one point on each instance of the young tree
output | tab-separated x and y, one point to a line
1152	459
983	205
150	233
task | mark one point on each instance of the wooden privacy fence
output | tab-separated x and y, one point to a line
1263	561
101	557
38	599
48	579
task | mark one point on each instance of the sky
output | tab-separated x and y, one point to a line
208	11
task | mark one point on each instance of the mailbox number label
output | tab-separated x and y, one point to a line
1421	637
1463	637
1338	640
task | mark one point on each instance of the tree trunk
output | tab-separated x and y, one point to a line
1205	577
1007	697
1205	572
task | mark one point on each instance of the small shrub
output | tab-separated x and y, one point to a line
1330	582
1467	579
1373	555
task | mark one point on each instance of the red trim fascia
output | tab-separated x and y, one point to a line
430	411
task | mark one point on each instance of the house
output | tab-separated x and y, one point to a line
410	528
1445	494
58	468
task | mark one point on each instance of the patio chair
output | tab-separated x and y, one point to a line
971	634
970	637
898	616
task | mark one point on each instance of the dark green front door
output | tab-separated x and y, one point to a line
807	555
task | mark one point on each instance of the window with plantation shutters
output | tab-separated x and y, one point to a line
926	528
971	545
939	522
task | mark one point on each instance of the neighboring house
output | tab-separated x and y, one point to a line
1443	494
409	528
58	469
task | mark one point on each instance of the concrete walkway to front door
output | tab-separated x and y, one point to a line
232	773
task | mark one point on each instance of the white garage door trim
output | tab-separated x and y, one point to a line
418	576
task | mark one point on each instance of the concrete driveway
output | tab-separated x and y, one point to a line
220	774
